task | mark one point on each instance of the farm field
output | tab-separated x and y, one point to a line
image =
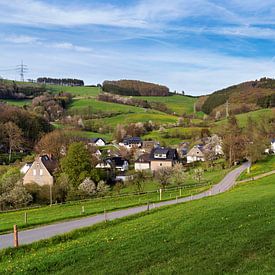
213	235
177	103
47	214
17	102
173	136
242	118
150	115
81	91
96	105
260	167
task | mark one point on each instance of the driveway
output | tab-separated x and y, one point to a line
48	231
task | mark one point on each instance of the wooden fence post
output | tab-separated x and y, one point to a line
15	236
105	215
148	206
180	192
160	194
82	210
26	217
177	199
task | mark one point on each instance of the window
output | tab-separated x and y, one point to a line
160	164
34	172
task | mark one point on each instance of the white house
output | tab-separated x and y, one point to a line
24	169
132	142
195	154
272	147
115	162
98	142
143	162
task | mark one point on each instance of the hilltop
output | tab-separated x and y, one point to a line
243	97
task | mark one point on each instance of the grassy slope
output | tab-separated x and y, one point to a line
260	167
75	91
242	118
229	233
48	214
160	136
17	102
178	104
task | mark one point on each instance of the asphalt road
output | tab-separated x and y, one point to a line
48	231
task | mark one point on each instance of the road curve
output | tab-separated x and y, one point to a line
48	231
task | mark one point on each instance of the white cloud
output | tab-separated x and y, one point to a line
20	39
69	46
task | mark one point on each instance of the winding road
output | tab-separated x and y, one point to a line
48	231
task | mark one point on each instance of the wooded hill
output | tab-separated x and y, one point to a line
244	97
134	88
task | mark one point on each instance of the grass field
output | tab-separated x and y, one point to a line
75	91
229	233
177	103
17	102
96	105
44	215
242	118
159	118
172	136
260	167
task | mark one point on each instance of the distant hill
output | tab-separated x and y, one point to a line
244	97
134	88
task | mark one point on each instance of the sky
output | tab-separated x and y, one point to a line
196	46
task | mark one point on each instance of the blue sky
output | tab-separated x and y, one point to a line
197	46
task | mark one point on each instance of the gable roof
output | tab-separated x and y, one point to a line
94	140
50	163
196	151
171	154
132	140
145	158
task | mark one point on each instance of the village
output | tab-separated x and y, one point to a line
131	156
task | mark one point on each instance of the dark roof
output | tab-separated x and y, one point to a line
117	161
273	140
132	140
171	154
94	140
145	158
50	163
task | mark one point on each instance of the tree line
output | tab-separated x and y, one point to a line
134	88
60	81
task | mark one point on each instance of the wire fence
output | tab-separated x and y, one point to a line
106	197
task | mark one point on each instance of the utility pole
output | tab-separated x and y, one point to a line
227	109
194	108
22	69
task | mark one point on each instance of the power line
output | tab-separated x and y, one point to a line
22	69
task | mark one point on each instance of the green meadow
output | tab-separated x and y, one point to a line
260	167
17	102
47	214
177	103
229	233
82	91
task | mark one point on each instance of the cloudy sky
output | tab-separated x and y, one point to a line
197	46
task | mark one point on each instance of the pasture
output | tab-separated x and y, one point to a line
229	233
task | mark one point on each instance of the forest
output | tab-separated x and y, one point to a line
135	88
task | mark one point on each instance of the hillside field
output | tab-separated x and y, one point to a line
242	118
229	233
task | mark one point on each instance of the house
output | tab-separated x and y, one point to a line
272	147
196	154
163	157
98	142
183	149
117	163
25	168
132	142
41	171
148	145
143	162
